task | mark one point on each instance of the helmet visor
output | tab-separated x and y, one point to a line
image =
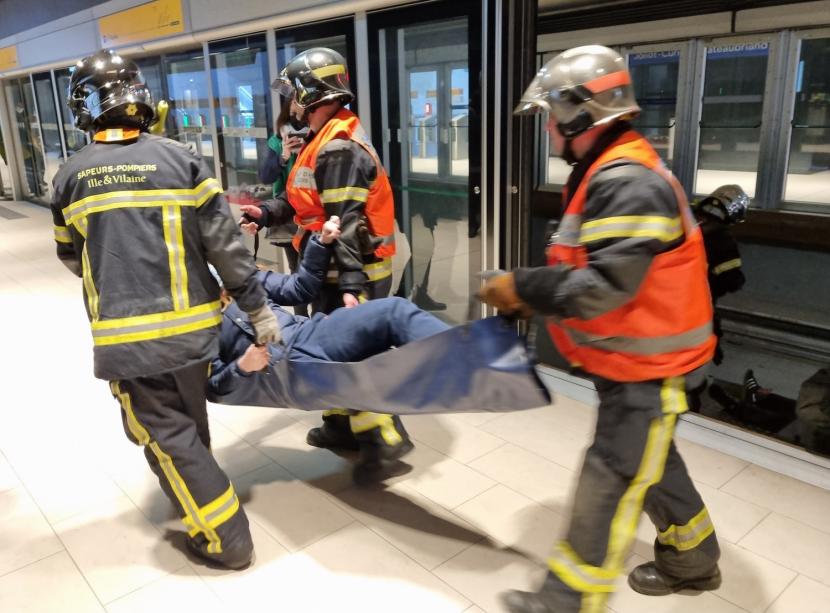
283	86
534	100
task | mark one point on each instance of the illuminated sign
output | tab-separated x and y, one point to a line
8	57
152	20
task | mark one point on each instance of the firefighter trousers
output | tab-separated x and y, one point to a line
632	465
167	415
331	298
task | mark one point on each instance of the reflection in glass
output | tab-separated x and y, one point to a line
808	174
21	98
239	69
655	75
189	106
50	129
730	125
5	171
75	139
432	183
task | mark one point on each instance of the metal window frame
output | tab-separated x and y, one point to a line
59	114
40	128
784	132
683	110
771	107
214	134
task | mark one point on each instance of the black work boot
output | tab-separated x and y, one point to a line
335	433
427	302
517	601
381	448
649	580
235	558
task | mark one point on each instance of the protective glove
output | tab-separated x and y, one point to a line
157	127
499	291
266	328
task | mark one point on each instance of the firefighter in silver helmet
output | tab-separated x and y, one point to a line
627	303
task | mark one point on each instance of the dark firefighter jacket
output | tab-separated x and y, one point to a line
138	217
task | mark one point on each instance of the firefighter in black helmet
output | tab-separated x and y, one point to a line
338	172
139	217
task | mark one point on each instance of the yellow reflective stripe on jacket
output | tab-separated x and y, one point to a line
690	535
156	325
728	265
341	194
98	203
174	239
654	345
62	234
665	229
92	299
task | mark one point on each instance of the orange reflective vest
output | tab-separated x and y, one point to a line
307	202
663	331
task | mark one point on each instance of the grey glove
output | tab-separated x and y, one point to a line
266	328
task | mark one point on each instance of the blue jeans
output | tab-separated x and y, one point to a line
351	335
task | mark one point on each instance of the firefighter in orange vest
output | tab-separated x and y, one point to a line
627	302
338	172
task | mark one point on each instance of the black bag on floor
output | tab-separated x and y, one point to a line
813	410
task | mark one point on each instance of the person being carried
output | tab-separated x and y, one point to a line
346	335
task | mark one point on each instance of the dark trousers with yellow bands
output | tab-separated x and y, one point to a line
167	415
633	465
389	431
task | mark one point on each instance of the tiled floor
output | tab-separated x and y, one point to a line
84	527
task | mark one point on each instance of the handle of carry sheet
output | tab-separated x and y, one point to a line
250	219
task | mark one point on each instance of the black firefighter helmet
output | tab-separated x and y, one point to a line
107	90
313	77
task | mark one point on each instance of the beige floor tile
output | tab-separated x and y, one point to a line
541	480
542	432
793	545
23	590
182	590
235	455
452	436
707	465
732	516
379	574
477	419
795	499
24	533
256	585
8	478
294	513
474	609
626	600
251	423
66	488
442	479
118	549
750	581
514	520
320	467
482	573
422	529
803	596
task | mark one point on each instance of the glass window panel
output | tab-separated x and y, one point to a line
808	173
730	125
423	122
189	105
21	99
239	69
75	139
555	170
655	76
460	122
49	129
5	171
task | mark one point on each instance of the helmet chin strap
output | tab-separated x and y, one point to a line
568	153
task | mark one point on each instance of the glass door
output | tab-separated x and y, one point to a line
50	128
188	119
74	138
5	171
21	100
427	126
239	72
